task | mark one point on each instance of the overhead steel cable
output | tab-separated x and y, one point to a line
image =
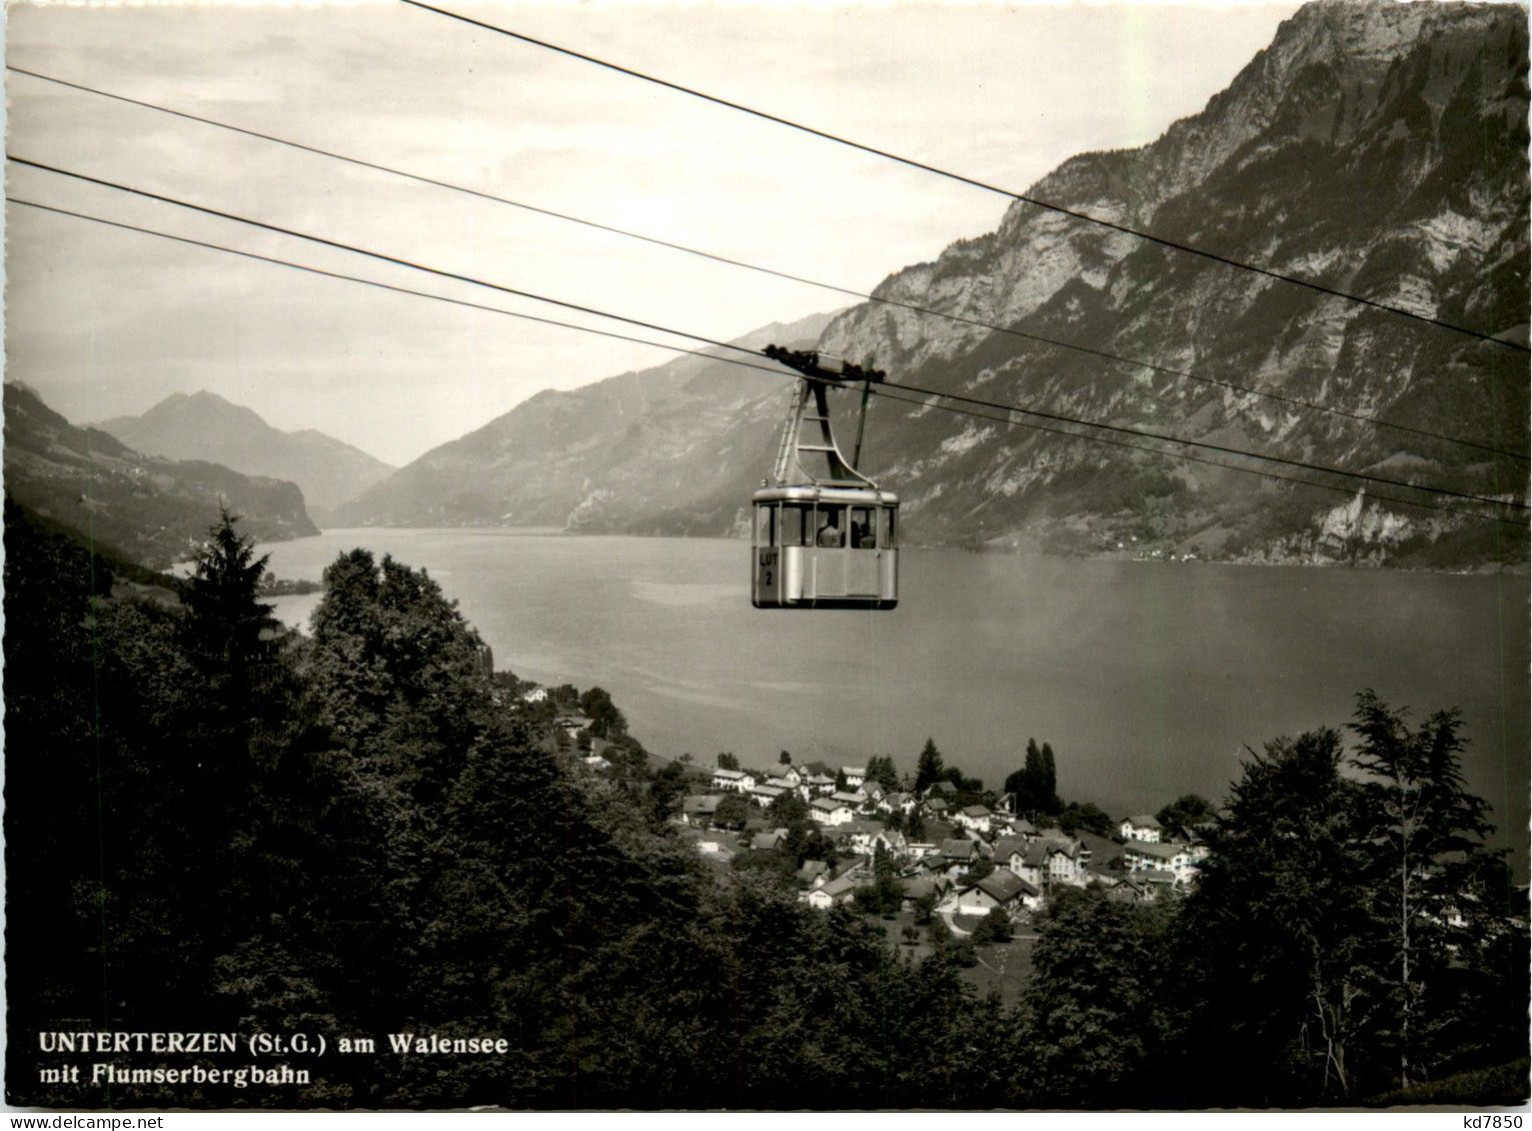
1037	413
773	370
378	255
1169	371
1189	458
1163	241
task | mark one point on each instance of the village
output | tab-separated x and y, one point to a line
970	859
954	850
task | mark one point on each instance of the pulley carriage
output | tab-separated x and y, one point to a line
823	541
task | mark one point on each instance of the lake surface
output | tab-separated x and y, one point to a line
1149	679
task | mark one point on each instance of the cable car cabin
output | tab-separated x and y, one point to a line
819	547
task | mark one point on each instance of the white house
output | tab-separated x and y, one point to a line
975	818
1052	862
736	780
855	776
1140	827
828	895
828	812
1176	859
766	794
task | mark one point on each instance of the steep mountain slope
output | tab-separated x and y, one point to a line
625	451
204	426
1376	149
1380	150
154	510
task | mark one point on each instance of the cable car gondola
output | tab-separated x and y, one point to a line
822	542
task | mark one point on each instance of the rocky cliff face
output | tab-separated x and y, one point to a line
1380	150
1375	149
153	510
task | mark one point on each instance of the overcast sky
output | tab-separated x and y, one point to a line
103	322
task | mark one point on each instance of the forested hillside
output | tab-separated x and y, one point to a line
226	827
152	509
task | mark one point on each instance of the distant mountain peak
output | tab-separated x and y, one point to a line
206	426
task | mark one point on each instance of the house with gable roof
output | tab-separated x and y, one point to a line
768	841
854	775
1175	859
764	795
699	809
1002	888
737	781
1141	827
918	887
1049	863
840	890
1010	852
975	818
828	812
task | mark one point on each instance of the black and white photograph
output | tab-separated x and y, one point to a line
648	555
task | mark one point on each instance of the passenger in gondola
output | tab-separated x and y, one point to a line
830	535
862	537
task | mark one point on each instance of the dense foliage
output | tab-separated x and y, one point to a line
230	828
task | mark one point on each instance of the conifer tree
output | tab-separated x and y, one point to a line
928	767
1432	833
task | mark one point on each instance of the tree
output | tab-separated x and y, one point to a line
1027	785
1048	782
1280	986
231	638
1086	815
666	789
606	720
928	767
1432	832
784	759
786	809
727	761
1093	1003
880	768
1185	812
732	812
925	909
995	927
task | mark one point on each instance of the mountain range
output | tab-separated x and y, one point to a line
151	509
205	426
641	452
1379	150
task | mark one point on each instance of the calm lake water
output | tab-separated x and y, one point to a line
1149	679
